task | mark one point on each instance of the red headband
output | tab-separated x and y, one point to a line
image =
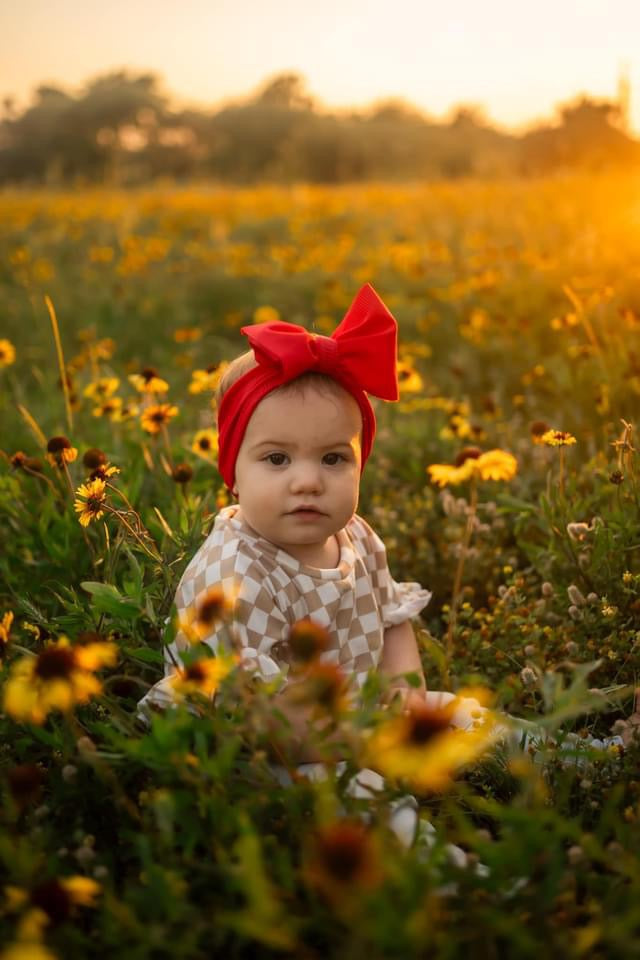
360	355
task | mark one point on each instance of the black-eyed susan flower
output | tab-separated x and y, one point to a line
60	451
307	640
157	416
7	353
60	677
207	379
472	462
148	381
205	444
102	388
90	502
557	438
409	380
325	687
212	608
5	632
50	903
111	408
93	458
343	859
421	747
537	430
204	676
182	473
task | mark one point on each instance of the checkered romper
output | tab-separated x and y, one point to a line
356	601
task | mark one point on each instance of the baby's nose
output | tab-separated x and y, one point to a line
306	477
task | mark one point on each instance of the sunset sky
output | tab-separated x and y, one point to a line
516	59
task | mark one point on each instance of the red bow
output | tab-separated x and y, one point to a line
362	350
360	355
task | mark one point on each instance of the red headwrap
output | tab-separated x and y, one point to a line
360	355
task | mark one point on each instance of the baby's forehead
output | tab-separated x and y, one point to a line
294	412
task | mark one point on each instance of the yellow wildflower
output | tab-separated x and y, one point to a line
60	451
470	462
203	676
148	381
422	748
57	679
187	334
91	501
409	380
213	607
7	353
5	631
205	444
266	315
110	408
102	388
557	438
157	416
207	379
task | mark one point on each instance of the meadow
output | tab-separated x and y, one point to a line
519	311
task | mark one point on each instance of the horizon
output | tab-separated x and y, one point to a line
347	53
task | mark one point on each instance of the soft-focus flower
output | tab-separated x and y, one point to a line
557	438
25	783
343	859
212	608
307	640
90	501
205	444
187	334
537	430
5	632
148	381
203	676
207	379
20	461
57	679
94	457
102	389
60	451
110	408
266	315
157	416
27	950
324	687
409	380
7	353
492	465
422	748
182	473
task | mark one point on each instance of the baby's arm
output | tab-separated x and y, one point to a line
400	655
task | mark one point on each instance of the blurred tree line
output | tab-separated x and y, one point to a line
122	129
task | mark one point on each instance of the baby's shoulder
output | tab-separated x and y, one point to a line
363	537
227	559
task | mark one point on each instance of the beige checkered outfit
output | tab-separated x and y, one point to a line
356	601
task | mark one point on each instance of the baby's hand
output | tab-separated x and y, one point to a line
405	697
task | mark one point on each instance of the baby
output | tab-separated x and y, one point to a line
295	431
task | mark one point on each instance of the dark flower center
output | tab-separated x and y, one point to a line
343	851
52	897
468	453
55	662
424	724
204	443
148	373
58	444
94	458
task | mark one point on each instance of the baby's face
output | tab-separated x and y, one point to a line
298	469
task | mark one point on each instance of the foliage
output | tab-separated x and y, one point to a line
515	319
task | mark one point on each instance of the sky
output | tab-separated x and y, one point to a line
516	59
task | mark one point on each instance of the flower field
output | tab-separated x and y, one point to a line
506	480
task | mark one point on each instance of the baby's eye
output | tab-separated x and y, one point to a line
276	459
332	459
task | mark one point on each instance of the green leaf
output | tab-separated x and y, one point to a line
107	599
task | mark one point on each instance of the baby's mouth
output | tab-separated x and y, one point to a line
307	510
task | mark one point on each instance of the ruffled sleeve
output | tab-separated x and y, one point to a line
397	601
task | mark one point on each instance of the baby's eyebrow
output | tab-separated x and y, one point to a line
293	444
